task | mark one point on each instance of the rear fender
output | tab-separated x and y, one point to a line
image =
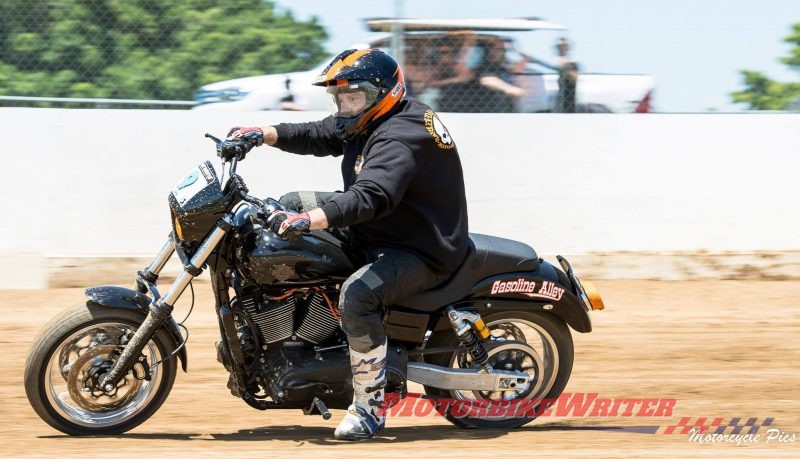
546	289
119	297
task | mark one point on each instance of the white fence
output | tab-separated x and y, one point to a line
93	183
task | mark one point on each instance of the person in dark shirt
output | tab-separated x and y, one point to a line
567	79
453	80
403	201
498	90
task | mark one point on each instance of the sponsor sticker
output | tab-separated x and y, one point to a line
206	173
188	180
528	288
396	89
189	186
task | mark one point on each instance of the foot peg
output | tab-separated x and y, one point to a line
318	407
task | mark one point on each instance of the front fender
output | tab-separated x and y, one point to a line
120	297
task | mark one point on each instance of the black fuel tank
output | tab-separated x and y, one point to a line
317	256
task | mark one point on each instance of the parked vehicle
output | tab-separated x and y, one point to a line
422	61
496	330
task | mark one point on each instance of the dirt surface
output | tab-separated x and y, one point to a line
727	349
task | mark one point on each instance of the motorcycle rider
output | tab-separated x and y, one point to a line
403	202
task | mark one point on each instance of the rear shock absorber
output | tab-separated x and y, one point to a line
469	326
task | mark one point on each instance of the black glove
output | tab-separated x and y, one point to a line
253	135
228	149
288	224
239	142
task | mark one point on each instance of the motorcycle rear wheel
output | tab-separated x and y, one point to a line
70	355
544	333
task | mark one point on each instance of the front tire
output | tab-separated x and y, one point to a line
546	334
73	351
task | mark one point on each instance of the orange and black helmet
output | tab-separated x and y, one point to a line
372	71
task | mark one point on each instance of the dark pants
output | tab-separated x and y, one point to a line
389	276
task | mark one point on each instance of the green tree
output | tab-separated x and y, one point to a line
146	49
762	93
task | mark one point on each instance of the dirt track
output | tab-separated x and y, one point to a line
727	349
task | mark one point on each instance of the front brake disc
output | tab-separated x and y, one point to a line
83	381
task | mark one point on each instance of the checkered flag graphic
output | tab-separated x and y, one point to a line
703	425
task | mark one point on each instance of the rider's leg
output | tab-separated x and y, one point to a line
393	275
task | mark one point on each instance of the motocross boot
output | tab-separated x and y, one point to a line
366	416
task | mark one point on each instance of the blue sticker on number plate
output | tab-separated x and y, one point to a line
188	180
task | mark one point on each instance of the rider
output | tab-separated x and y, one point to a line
403	202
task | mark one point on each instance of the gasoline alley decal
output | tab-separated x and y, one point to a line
436	129
547	290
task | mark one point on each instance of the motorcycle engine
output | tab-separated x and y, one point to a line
292	347
293	350
306	317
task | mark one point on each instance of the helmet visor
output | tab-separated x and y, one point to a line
352	98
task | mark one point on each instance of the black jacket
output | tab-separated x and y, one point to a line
403	183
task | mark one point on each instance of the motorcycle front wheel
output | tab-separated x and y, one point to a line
71	355
539	344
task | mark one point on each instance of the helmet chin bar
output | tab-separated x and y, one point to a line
347	126
344	124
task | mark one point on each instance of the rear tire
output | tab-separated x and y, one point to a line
548	335
75	346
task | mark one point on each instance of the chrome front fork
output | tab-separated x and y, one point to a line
162	257
192	269
161	308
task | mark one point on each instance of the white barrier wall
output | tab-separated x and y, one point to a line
94	182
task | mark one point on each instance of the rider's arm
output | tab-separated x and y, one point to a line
270	135
388	169
318	219
316	138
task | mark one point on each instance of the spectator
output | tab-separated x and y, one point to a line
449	58
499	92
454	80
567	79
418	67
289	101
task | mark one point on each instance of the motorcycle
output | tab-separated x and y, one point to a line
496	330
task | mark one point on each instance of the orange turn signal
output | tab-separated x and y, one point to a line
594	296
178	229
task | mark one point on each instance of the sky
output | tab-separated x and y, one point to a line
695	49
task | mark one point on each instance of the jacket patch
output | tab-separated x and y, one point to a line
358	164
437	130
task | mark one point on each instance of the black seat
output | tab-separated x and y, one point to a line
487	256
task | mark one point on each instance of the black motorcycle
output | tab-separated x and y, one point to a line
496	330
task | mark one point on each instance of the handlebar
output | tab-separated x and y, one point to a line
216	140
232	150
266	207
